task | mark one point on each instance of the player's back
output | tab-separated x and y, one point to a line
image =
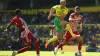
19	22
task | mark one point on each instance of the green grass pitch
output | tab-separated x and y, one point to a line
48	53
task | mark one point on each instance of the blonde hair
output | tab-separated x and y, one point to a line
62	1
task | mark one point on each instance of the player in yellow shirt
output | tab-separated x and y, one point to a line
59	22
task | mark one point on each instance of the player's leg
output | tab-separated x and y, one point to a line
53	46
28	47
60	41
61	47
68	27
37	46
55	38
36	43
27	41
21	50
58	29
66	39
80	41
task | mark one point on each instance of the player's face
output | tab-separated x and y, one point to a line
20	13
64	3
77	10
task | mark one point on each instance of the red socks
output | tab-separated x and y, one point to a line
53	46
37	46
24	49
79	45
60	45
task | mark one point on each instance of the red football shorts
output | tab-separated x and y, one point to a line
68	35
27	40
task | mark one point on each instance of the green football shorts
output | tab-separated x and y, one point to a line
57	25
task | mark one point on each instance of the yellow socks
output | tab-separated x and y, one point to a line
68	27
53	39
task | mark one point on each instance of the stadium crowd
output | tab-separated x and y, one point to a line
41	18
10	39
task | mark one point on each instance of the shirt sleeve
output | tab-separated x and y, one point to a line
71	17
81	20
13	21
54	6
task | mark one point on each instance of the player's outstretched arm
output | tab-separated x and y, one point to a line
7	27
81	23
51	13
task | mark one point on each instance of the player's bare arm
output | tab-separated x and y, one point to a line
74	19
81	23
51	13
8	27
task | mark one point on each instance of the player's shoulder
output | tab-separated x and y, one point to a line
72	14
66	7
56	6
14	17
80	15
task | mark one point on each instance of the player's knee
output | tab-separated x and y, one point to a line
37	43
80	39
54	42
28	44
62	23
59	35
38	40
28	47
65	42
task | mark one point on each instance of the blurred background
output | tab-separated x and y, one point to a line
35	13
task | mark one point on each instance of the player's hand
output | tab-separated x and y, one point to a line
5	33
5	30
49	17
81	28
17	39
52	14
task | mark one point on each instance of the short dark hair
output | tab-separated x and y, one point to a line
17	11
77	7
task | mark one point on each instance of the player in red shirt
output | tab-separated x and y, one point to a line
74	19
25	34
